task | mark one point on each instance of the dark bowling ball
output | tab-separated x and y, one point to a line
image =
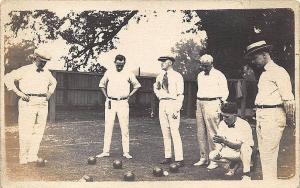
117	164
91	160
129	176
173	168
40	162
158	172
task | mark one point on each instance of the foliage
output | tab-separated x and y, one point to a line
187	57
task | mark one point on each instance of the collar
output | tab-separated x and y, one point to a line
269	65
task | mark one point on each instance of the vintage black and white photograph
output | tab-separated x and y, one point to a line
162	91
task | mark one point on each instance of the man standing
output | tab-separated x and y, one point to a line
169	88
212	92
234	141
115	86
36	85
274	103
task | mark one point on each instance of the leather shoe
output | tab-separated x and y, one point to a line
180	163
166	161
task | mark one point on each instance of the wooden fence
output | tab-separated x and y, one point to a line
80	91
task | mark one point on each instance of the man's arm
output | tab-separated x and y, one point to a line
223	87
135	83
103	84
223	140
9	80
52	86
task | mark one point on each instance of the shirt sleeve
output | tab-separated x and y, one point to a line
10	78
133	80
104	80
155	89
283	82
223	87
247	133
52	83
180	91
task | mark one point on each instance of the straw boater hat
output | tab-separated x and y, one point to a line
257	47
42	54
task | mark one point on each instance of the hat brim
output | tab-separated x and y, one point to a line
43	58
258	49
164	58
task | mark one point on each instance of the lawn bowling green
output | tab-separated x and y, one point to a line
78	135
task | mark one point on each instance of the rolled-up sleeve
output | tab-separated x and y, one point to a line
52	83
157	91
283	82
104	80
135	83
10	78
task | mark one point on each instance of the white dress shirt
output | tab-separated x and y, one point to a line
274	86
213	85
175	87
241	132
31	81
117	83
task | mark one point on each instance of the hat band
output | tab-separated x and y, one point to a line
256	44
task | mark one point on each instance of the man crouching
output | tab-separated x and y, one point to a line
234	141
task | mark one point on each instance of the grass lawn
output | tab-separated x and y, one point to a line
79	134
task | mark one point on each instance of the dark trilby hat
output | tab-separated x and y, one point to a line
229	108
257	47
164	58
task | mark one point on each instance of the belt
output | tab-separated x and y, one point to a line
208	99
269	106
118	99
167	99
37	95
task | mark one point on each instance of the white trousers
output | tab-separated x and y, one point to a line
207	120
243	154
32	122
121	109
270	125
170	129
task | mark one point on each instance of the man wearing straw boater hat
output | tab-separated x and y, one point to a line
274	104
36	85
169	87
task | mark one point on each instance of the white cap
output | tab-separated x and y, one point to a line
206	58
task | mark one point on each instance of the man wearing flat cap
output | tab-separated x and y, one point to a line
234	141
36	85
169	88
212	92
274	103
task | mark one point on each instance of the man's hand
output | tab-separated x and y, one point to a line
157	85
289	107
48	95
218	139
174	115
23	96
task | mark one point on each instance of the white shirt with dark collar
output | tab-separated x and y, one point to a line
117	83
31	81
274	86
241	132
213	85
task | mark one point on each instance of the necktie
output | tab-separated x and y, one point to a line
165	82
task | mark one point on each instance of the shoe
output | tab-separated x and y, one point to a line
166	161
212	165
230	172
201	162
246	178
180	163
104	154
127	156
